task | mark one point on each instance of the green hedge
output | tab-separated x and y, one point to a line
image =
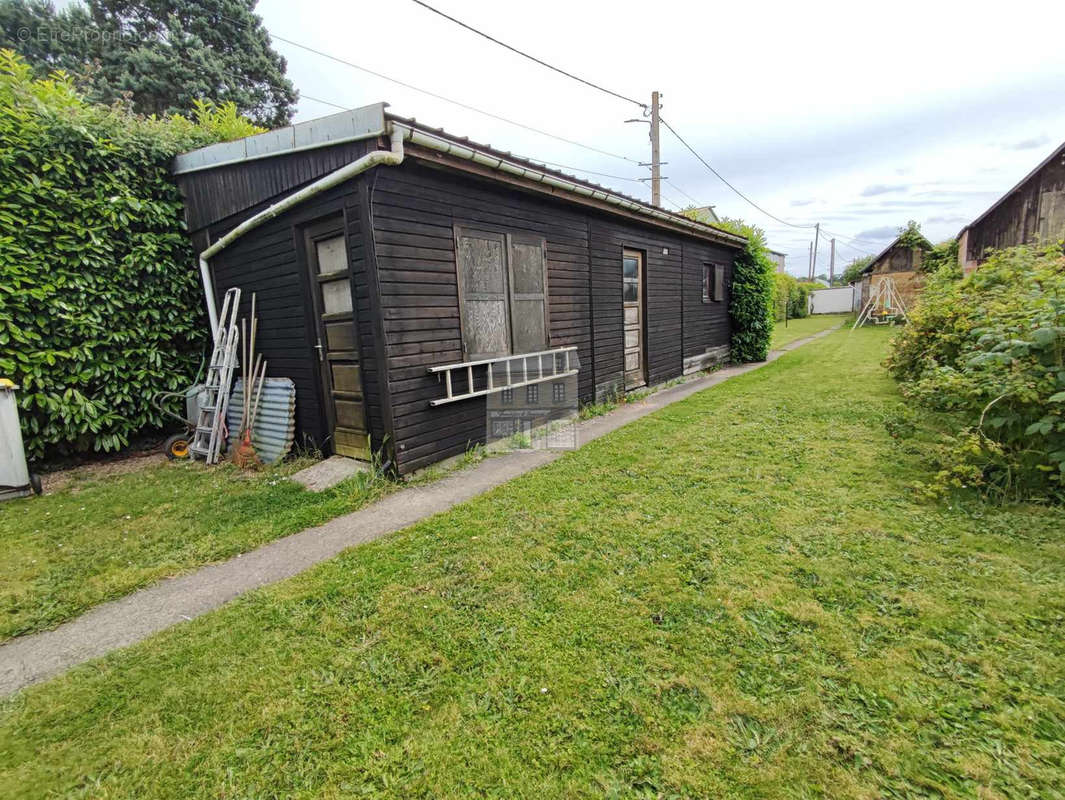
991	347
751	303
99	298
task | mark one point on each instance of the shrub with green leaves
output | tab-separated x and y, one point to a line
991	347
751	307
791	297
99	298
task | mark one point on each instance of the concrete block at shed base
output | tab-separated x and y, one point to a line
327	474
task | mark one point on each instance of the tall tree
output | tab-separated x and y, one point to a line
159	55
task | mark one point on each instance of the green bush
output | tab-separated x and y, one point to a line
943	258
751	303
99	298
783	285
791	296
991	347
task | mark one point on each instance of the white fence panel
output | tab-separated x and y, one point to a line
832	301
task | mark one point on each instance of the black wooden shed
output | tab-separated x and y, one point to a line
382	250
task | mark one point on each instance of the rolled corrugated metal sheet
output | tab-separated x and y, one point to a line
275	425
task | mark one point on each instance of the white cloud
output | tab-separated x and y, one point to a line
786	100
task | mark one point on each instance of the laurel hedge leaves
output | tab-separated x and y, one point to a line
99	300
752	294
991	348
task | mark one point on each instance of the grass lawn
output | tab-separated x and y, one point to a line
801	328
737	596
101	538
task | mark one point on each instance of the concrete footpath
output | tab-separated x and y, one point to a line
31	659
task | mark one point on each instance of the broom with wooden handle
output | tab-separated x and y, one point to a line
245	455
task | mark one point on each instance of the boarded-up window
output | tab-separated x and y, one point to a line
483	303
528	294
502	293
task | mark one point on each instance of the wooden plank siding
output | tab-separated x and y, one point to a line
217	194
415	210
1032	212
706	325
400	227
271	263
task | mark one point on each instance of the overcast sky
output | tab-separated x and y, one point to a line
855	115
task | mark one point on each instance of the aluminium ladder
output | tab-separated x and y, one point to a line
209	435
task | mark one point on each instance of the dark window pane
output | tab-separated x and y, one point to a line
631	293
629	267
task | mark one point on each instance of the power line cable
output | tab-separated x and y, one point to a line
721	178
679	206
856	249
613	94
432	94
530	128
852	238
532	159
579	79
532	58
674	185
458	103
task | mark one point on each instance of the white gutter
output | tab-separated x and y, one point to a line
443	145
377	157
393	157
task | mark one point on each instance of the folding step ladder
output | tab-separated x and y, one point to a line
211	418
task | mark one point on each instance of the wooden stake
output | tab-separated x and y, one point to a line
258	395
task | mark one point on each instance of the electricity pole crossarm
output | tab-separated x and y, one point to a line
656	160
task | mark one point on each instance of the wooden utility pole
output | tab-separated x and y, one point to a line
656	163
832	263
813	260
